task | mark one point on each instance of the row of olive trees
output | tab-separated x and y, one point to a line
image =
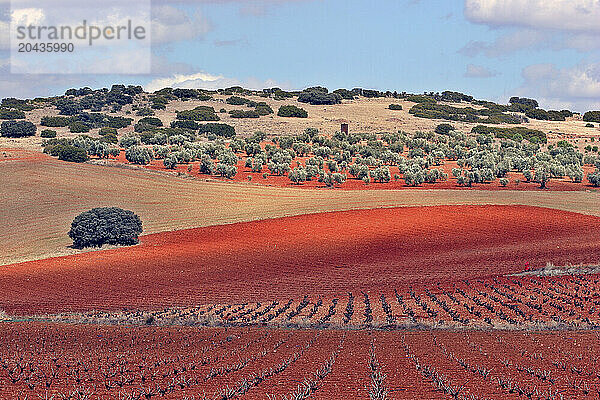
367	156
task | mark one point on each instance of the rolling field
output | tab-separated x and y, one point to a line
105	362
503	302
325	254
44	195
258	288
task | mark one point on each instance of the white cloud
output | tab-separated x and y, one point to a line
535	24
198	80
570	15
479	71
576	88
203	80
171	24
27	16
521	39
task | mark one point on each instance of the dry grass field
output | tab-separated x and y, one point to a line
44	195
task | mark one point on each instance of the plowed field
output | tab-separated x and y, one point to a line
318	255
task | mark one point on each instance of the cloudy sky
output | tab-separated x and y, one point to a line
492	49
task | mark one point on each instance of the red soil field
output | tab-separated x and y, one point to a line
13	154
505	303
326	254
193	169
178	363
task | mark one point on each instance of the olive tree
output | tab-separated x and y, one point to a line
297	175
226	170
138	155
594	178
381	174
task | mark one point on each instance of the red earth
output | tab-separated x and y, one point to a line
318	254
181	362
12	154
193	169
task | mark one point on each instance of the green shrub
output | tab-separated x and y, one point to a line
68	106
532	135
118	122
11	114
109	138
150	121
243	114
381	174
186	94
185	124
536	113
414	176
292	111
316	97
594	178
551	115
344	94
107	131
48	133
78	127
297	175
17	129
263	109
159	102
130	140
71	153
236	101
456	97
444	129
200	113
170	162
359	171
204	97
222	130
420	98
106	225
332	179
522	104
56	122
317	89
147	124
226	170
592	116
19	104
396	107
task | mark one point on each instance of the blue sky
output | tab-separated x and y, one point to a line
492	49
